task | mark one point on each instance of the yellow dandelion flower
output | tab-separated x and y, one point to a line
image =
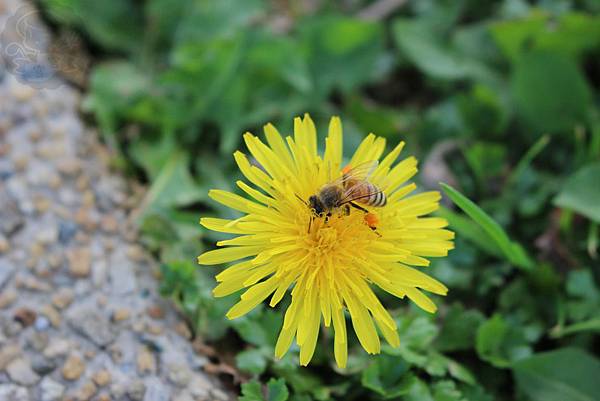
330	262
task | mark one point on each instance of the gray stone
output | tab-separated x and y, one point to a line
41	365
11	392
11	218
122	274
57	347
20	372
51	390
41	323
200	387
156	390
92	324
6	271
136	390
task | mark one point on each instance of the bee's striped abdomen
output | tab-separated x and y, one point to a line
371	196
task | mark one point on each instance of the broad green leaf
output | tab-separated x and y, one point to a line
570	34
277	390
436	58
115	89
174	185
114	24
499	343
459	329
511	250
342	52
252	391
252	360
581	192
550	92
388	376
565	374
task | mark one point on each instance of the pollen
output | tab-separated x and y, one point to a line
329	264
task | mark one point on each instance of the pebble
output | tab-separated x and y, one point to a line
38	340
73	367
51	390
86	391
6	272
120	314
57	347
41	365
109	224
122	274
155	312
92	324
200	387
19	371
146	363
136	390
63	298
156	391
179	375
66	231
183	330
101	378
25	316
51	314
13	393
8	353
4	244
41	323
7	298
80	260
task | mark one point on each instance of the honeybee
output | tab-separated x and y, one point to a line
351	189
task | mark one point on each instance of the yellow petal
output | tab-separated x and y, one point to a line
228	254
252	297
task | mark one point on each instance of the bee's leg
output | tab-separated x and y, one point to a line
347	210
327	216
354	205
310	223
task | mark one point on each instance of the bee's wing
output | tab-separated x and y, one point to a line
355	181
360	172
360	190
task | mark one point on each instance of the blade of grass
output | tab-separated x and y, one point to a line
527	158
467	228
513	252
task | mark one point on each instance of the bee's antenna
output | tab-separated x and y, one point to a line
301	200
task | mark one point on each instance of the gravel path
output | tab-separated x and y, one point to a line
80	317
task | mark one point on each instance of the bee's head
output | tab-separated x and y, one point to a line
315	204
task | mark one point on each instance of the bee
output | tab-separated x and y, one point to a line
351	189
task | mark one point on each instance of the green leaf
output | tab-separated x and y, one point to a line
252	391
565	374
550	93
570	34
458	329
420	44
252	361
277	390
511	250
174	185
499	343
388	376
581	192
114	24
470	230
341	52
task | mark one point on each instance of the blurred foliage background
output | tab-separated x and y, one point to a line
497	98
